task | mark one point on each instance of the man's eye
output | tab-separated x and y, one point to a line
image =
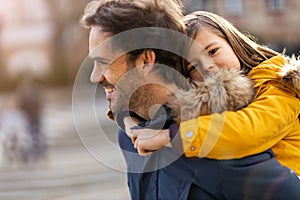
193	68
102	63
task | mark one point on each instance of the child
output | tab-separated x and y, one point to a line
270	121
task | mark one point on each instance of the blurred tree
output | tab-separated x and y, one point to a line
66	39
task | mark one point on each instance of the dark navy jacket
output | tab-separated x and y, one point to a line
167	175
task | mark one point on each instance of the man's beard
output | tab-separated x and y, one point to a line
139	100
127	92
132	94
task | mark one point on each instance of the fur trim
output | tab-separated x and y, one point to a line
224	90
291	72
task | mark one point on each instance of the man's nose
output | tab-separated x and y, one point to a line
97	75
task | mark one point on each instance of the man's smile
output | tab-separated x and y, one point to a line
109	92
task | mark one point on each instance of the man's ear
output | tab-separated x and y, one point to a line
149	61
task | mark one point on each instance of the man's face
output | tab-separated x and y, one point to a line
107	69
124	84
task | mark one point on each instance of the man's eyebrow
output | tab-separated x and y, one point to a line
100	59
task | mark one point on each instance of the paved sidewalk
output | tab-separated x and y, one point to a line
69	172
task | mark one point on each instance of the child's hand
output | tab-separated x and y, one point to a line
130	122
148	140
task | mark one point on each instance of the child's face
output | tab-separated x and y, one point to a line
219	53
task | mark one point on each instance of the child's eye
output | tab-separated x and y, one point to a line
213	51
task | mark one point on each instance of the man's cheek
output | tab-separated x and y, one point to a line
119	102
112	103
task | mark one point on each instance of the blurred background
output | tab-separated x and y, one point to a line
273	22
42	47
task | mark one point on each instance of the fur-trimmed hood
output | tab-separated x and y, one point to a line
222	90
230	90
290	73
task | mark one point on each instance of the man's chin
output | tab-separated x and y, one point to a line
110	107
118	103
114	108
118	108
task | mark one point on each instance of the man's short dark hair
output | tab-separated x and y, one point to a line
117	16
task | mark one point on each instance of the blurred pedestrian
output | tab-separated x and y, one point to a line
21	134
29	97
16	140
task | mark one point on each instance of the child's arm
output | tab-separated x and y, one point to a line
256	128
253	129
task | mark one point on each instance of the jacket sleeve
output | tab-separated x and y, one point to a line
254	129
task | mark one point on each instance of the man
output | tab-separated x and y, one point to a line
109	18
165	174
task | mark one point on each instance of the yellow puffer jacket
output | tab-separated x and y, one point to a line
270	121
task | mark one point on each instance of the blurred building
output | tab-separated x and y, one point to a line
273	22
25	37
41	38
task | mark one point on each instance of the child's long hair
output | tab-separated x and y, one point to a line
248	51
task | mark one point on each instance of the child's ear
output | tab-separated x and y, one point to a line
149	61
